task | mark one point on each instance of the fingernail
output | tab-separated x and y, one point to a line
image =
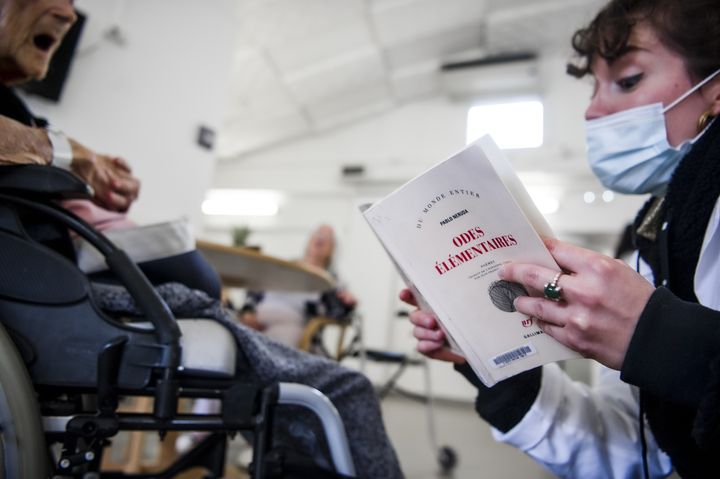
501	272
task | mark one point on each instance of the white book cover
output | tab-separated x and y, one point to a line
448	231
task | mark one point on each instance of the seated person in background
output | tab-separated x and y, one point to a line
282	315
25	139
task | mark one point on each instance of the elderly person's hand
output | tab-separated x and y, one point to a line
347	298
601	301
431	339
110	177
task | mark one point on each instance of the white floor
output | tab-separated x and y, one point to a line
459	428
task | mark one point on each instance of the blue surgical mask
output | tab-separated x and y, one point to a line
629	150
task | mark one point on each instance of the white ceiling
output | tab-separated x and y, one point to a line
304	66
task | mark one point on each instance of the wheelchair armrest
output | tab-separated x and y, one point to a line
324	409
47	182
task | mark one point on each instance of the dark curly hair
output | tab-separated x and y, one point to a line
691	28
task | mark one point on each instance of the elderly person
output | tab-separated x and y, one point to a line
30	32
282	315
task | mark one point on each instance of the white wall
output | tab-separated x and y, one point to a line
144	99
393	148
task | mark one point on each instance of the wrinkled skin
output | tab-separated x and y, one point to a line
30	33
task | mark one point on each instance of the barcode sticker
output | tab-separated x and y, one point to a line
504	359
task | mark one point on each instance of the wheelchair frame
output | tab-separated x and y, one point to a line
78	387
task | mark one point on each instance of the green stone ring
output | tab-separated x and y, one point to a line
552	291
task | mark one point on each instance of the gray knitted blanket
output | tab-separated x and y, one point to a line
265	362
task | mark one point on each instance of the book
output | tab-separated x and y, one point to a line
448	231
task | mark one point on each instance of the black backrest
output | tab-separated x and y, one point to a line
45	300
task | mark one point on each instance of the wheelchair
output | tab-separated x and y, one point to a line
65	364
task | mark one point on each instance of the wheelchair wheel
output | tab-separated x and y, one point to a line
22	443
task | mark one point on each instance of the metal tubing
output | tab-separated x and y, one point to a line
317	402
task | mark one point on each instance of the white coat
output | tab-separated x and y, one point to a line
578	431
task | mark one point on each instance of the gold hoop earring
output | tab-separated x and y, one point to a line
703	121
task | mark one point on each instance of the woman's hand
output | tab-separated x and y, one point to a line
602	300
110	177
431	339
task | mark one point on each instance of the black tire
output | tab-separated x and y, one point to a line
22	442
448	459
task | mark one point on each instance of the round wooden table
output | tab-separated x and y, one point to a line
247	268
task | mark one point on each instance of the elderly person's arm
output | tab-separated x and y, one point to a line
21	145
111	178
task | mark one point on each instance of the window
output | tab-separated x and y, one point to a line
513	124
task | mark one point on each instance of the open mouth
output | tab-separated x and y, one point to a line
44	42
